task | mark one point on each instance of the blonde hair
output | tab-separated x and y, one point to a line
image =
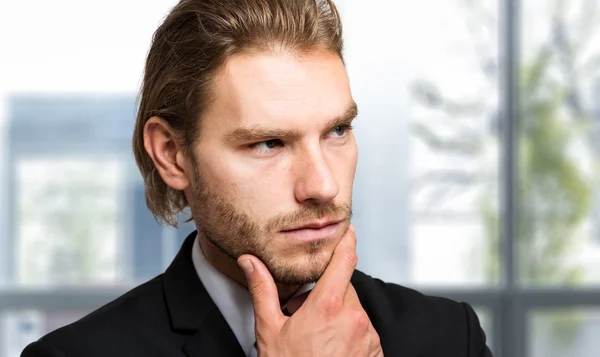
188	49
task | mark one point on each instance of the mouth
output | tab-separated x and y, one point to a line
313	231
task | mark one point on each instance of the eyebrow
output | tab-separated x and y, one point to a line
258	134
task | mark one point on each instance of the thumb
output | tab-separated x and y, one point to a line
267	312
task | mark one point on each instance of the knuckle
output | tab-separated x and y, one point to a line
360	320
333	306
375	341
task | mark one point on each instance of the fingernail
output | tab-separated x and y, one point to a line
246	266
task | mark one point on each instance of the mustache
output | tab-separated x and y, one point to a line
309	213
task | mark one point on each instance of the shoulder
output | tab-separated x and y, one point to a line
399	300
108	330
397	311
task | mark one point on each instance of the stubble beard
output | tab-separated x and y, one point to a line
234	233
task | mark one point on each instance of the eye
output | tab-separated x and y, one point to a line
341	130
267	145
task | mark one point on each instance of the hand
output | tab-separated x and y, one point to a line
331	322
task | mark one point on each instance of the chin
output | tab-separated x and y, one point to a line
298	278
301	270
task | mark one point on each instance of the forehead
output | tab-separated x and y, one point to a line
280	89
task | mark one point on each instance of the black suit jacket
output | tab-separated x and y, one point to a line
173	315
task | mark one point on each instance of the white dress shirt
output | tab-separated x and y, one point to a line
232	299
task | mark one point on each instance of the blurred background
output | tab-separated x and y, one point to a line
478	177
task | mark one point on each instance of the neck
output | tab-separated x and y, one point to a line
228	266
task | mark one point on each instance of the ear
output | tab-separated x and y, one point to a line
166	153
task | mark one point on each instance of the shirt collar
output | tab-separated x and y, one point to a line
232	299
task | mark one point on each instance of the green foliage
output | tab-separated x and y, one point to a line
554	190
554	194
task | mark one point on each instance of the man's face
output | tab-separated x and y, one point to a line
275	162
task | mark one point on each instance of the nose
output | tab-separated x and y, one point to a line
315	181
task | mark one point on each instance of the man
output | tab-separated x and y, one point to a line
245	116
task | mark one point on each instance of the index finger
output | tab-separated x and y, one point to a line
336	278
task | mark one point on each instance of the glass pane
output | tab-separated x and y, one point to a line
559	143
72	208
426	207
21	327
565	333
69	221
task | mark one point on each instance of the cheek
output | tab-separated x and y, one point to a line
259	198
353	159
344	166
259	192
219	178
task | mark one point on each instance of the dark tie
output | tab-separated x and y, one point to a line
285	311
294	304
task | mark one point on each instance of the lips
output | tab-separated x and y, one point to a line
314	231
314	225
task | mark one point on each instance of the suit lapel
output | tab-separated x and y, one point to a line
192	311
215	338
